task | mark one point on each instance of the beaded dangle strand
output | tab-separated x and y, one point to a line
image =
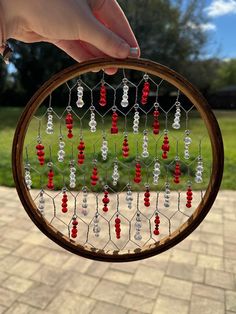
125	147
138	172
167	195
85	201
147	196
177	171
92	122
41	205
136	119
189	196
103	95
80	94
138	227
96	227
176	124
115	174
105	200
156	172
50	128
156	231
125	97
40	152
145	90
104	148
199	171
69	122
165	146
94	177
117	226
72	175
61	152
129	197
81	148
145	153
64	201
187	143
156	123
50	184
74	229
28	179
114	127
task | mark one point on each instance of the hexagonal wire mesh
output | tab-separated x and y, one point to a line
116	166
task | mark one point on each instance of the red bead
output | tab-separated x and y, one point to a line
147	204
106	200
188	205
70	135
117	220
105	209
75	222
156	232
114	130
147	194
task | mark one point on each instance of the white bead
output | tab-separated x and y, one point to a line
124	103
176	126
62	145
84	212
80	103
137	237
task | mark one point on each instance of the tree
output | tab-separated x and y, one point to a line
226	74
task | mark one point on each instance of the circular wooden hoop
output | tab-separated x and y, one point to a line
135	64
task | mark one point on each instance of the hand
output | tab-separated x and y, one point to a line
84	29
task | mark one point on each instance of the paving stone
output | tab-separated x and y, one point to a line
39	295
176	288
206	306
230	250
21	308
138	303
212	227
149	275
180	256
143	289
2	309
4	252
167	305
7	262
35	238
24	268
80	283
47	275
18	234
217	250
106	308
219	279
31	252
108	291
17	284
208	292
10	244
67	302
211	238
55	259
186	272
212	262
159	262
230	300
198	247
77	263
126	267
117	276
3	276
7	297
97	269
230	265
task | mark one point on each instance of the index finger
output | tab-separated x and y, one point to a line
112	16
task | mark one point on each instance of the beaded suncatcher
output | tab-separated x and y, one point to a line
115	170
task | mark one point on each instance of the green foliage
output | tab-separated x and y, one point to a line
226	74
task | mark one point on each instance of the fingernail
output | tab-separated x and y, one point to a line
123	51
134	52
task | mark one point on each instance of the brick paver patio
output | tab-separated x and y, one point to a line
197	276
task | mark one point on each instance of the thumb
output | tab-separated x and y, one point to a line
104	39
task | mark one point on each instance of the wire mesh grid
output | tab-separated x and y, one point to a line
114	185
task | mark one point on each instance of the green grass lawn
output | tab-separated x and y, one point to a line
227	119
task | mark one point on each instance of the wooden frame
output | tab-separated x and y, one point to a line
136	64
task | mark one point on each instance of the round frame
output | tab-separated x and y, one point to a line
179	234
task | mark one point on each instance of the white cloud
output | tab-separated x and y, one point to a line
203	27
221	7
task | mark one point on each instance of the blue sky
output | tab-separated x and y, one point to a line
221	28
